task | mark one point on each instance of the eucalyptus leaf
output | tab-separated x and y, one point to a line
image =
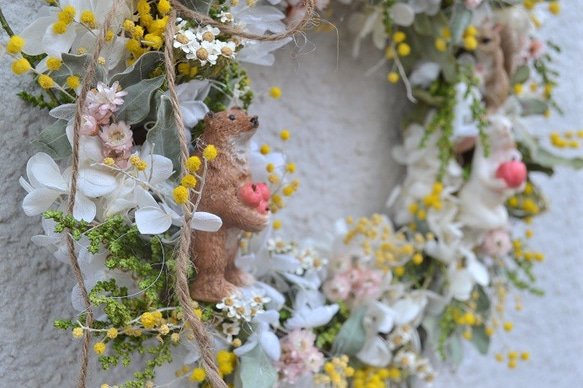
455	351
351	337
533	152
77	65
480	339
428	98
521	75
163	135
460	20
483	302
200	6
140	70
533	106
423	25
136	104
254	370
53	140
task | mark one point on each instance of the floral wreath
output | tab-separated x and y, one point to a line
151	186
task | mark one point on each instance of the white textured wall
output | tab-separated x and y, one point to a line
342	126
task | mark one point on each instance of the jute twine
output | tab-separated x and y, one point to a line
201	333
90	73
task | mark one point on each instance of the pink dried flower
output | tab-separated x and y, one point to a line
497	243
338	288
367	287
104	100
117	137
471	4
89	125
299	356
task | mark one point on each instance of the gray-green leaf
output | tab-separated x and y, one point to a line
521	75
77	65
53	140
255	370
460	20
533	106
351	337
136	104
163	135
455	351
480	339
534	152
140	70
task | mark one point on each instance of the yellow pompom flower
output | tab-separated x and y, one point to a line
275	92
45	81
393	77
188	180
15	44
470	43
154	41
99	348
284	135
193	163
112	333
210	152
73	81
198	375
264	149
440	44
67	15
288	190
59	27
180	195
20	66
88	18
291	168
148	319
554	7
276	224
54	63
403	49
399	36
164	6
77	332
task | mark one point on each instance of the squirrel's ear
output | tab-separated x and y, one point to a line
498	27
209	115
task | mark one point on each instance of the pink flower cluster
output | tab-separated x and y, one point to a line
299	356
354	285
471	4
117	138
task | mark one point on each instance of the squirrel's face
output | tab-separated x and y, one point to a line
234	120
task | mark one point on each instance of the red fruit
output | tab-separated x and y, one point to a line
264	190
250	194
513	173
263	207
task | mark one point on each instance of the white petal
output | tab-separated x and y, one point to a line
42	171
407	310
84	208
402	14
96	183
206	222
159	169
25	185
144	198
375	352
34	33
193	112
38	201
152	220
270	344
56	44
312	318
479	272
249	346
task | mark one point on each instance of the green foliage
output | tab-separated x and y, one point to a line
255	370
37	101
446	328
325	335
137	103
53	140
163	135
351	337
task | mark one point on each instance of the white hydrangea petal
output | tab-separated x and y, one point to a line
33	35
84	209
39	201
270	344
152	220
57	44
193	112
402	14
309	318
96	183
159	169
42	171
206	222
375	352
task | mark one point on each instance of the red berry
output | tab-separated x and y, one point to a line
513	173
250	194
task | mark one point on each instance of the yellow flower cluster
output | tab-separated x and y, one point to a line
65	17
376	377
336	373
137	162
442	41
513	358
189	181
226	361
469	37
567	141
148	32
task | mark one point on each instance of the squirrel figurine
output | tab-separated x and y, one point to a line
495	56
227	188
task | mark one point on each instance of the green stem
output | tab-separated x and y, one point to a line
53	98
5	25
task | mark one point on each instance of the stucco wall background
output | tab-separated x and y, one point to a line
342	126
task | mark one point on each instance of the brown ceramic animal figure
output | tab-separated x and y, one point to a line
214	254
491	59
